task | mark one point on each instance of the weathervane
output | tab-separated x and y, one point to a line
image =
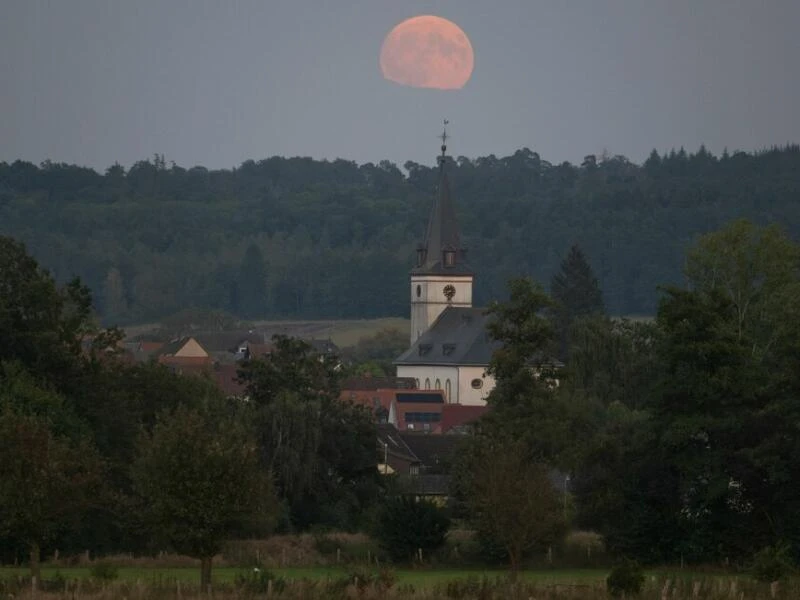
444	138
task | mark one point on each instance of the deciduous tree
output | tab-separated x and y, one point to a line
510	498
199	479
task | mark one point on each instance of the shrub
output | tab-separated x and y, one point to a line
771	563
625	579
362	578
325	545
471	587
406	524
257	581
104	571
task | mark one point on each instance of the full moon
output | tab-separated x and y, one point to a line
427	52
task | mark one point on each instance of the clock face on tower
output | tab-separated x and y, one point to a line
449	291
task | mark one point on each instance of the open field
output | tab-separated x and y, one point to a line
344	333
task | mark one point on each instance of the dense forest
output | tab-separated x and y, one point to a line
296	237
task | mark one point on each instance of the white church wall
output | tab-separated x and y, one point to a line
428	300
467	393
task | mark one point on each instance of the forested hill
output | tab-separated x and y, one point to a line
298	237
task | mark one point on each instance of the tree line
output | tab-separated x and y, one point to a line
296	237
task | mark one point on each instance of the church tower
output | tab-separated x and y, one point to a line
441	277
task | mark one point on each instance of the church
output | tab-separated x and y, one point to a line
450	347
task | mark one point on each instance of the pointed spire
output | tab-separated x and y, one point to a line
441	252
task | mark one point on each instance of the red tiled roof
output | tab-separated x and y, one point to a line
456	415
371	399
185	361
227	379
150	347
259	350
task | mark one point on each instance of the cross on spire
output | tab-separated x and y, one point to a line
443	137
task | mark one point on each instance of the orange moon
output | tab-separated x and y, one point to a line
427	52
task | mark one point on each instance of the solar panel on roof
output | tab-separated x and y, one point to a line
417	397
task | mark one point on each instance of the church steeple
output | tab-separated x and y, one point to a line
441	252
441	277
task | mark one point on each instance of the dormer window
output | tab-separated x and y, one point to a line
424	349
449	258
421	254
448	349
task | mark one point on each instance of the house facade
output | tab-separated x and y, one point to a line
450	348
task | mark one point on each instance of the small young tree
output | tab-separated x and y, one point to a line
407	524
510	498
198	478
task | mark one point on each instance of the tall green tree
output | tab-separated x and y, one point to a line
729	389
41	325
199	480
613	360
575	292
524	403
321	449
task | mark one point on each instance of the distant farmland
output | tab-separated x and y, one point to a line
344	333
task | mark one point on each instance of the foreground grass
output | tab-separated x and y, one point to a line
417	577
330	583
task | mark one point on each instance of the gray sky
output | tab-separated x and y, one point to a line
218	82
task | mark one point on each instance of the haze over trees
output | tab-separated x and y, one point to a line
296	237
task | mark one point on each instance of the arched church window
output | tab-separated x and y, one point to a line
419	291
427	383
447	391
438	385
416	383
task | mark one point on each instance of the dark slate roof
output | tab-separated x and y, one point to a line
457	337
434	451
390	437
323	346
442	233
425	484
226	341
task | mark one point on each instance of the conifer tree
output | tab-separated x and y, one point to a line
576	293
